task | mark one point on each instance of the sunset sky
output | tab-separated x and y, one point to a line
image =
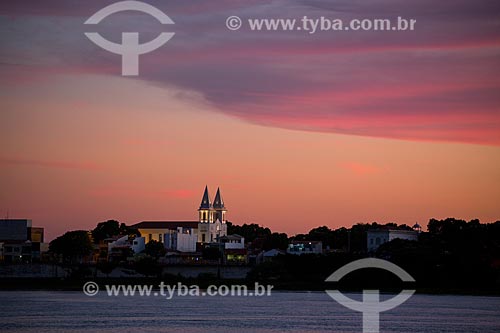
298	130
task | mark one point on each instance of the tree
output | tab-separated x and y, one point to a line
73	245
105	230
147	265
276	241
249	231
325	235
106	267
111	228
155	249
211	253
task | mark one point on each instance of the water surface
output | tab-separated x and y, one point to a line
40	312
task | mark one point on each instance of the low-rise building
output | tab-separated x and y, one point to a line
270	255
175	235
21	242
17	252
183	240
236	256
305	247
233	241
377	237
136	244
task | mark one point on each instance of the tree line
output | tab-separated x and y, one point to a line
453	255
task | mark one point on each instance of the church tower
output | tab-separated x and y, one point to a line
212	222
220	209
206	210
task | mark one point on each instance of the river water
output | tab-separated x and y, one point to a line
41	311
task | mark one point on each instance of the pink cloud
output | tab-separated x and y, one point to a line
438	83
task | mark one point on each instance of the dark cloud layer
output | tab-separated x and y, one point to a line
439	82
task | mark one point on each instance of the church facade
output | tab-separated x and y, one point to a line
212	218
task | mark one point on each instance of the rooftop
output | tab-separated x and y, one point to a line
392	230
305	242
165	225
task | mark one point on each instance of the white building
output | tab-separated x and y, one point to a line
377	237
233	241
137	244
182	240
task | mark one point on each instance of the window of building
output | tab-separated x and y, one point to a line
203	238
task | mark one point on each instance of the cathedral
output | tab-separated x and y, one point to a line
183	235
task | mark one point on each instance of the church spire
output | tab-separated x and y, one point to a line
205	201
218	201
219	207
206	210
